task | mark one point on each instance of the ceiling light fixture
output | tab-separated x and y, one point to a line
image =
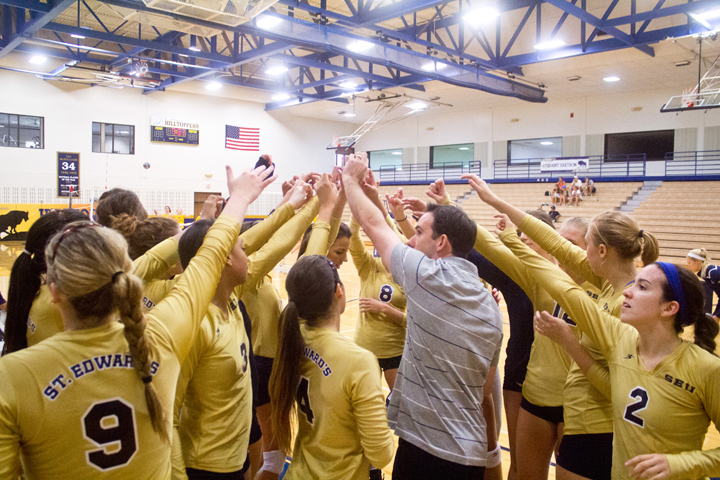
349	114
75	35
266	21
277	70
347	85
433	66
213	86
684	63
546	143
193	44
359	46
280	97
481	15
612	79
700	20
550	44
38	59
416	106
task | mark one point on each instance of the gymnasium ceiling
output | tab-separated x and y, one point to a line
340	53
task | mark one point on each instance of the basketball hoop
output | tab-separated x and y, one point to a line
688	98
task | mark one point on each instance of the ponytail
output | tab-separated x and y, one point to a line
311	301
26	275
285	377
128	291
706	328
650	248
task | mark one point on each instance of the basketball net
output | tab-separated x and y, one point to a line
336	141
688	98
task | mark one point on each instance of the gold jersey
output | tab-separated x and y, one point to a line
343	426
261	298
665	410
376	332
44	320
548	364
74	405
322	237
213	404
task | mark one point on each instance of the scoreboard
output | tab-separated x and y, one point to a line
175	135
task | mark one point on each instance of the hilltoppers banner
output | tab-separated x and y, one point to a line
564	164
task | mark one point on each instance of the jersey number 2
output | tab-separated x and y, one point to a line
642	395
303	399
110	424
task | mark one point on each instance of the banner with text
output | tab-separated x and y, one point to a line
16	218
564	164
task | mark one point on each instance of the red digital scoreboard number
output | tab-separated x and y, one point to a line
175	135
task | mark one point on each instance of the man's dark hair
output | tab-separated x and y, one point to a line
456	226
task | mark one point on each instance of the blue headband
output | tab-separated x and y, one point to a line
674	280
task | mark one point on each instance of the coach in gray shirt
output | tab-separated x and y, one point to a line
454	334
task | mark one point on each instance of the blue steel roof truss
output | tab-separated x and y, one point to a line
316	50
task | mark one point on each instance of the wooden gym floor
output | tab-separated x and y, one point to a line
9	251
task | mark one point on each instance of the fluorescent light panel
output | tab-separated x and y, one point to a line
276	70
612	79
481	15
266	21
416	105
75	35
359	46
280	96
550	44
37	59
194	48
433	66
213	86
347	85
349	114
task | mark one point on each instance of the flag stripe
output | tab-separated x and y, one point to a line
242	138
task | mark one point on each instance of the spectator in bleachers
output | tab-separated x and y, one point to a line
561	184
576	195
698	262
554	214
589	187
558	195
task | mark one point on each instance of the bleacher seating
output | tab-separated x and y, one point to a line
683	216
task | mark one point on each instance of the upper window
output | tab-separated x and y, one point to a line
111	138
385	158
22	131
453	155
619	146
534	149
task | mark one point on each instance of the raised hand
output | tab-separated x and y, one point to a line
326	191
503	223
288	185
355	169
249	185
211	207
300	194
416	205
397	208
480	186
311	177
437	191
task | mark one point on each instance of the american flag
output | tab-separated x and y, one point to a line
241	138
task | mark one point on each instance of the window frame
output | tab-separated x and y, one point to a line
18	127
509	149
431	158
103	136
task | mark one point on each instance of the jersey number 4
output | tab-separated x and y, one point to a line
303	399
642	400
110	425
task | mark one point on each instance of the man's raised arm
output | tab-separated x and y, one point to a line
367	214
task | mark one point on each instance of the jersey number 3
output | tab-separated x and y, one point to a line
642	400
303	399
110	425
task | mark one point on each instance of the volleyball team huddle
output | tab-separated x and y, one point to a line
136	350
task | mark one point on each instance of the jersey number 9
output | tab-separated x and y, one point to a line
110	424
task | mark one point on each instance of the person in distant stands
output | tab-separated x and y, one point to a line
554	214
589	186
265	160
561	184
698	262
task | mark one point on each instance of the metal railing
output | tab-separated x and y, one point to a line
424	172
630	165
695	164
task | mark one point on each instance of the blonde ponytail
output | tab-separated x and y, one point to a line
129	293
622	233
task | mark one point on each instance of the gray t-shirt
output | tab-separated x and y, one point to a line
454	334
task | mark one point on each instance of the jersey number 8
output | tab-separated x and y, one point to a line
386	293
110	425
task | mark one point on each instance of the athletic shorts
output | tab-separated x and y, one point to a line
264	367
413	463
588	455
549	414
391	363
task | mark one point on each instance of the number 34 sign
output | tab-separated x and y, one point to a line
68	174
